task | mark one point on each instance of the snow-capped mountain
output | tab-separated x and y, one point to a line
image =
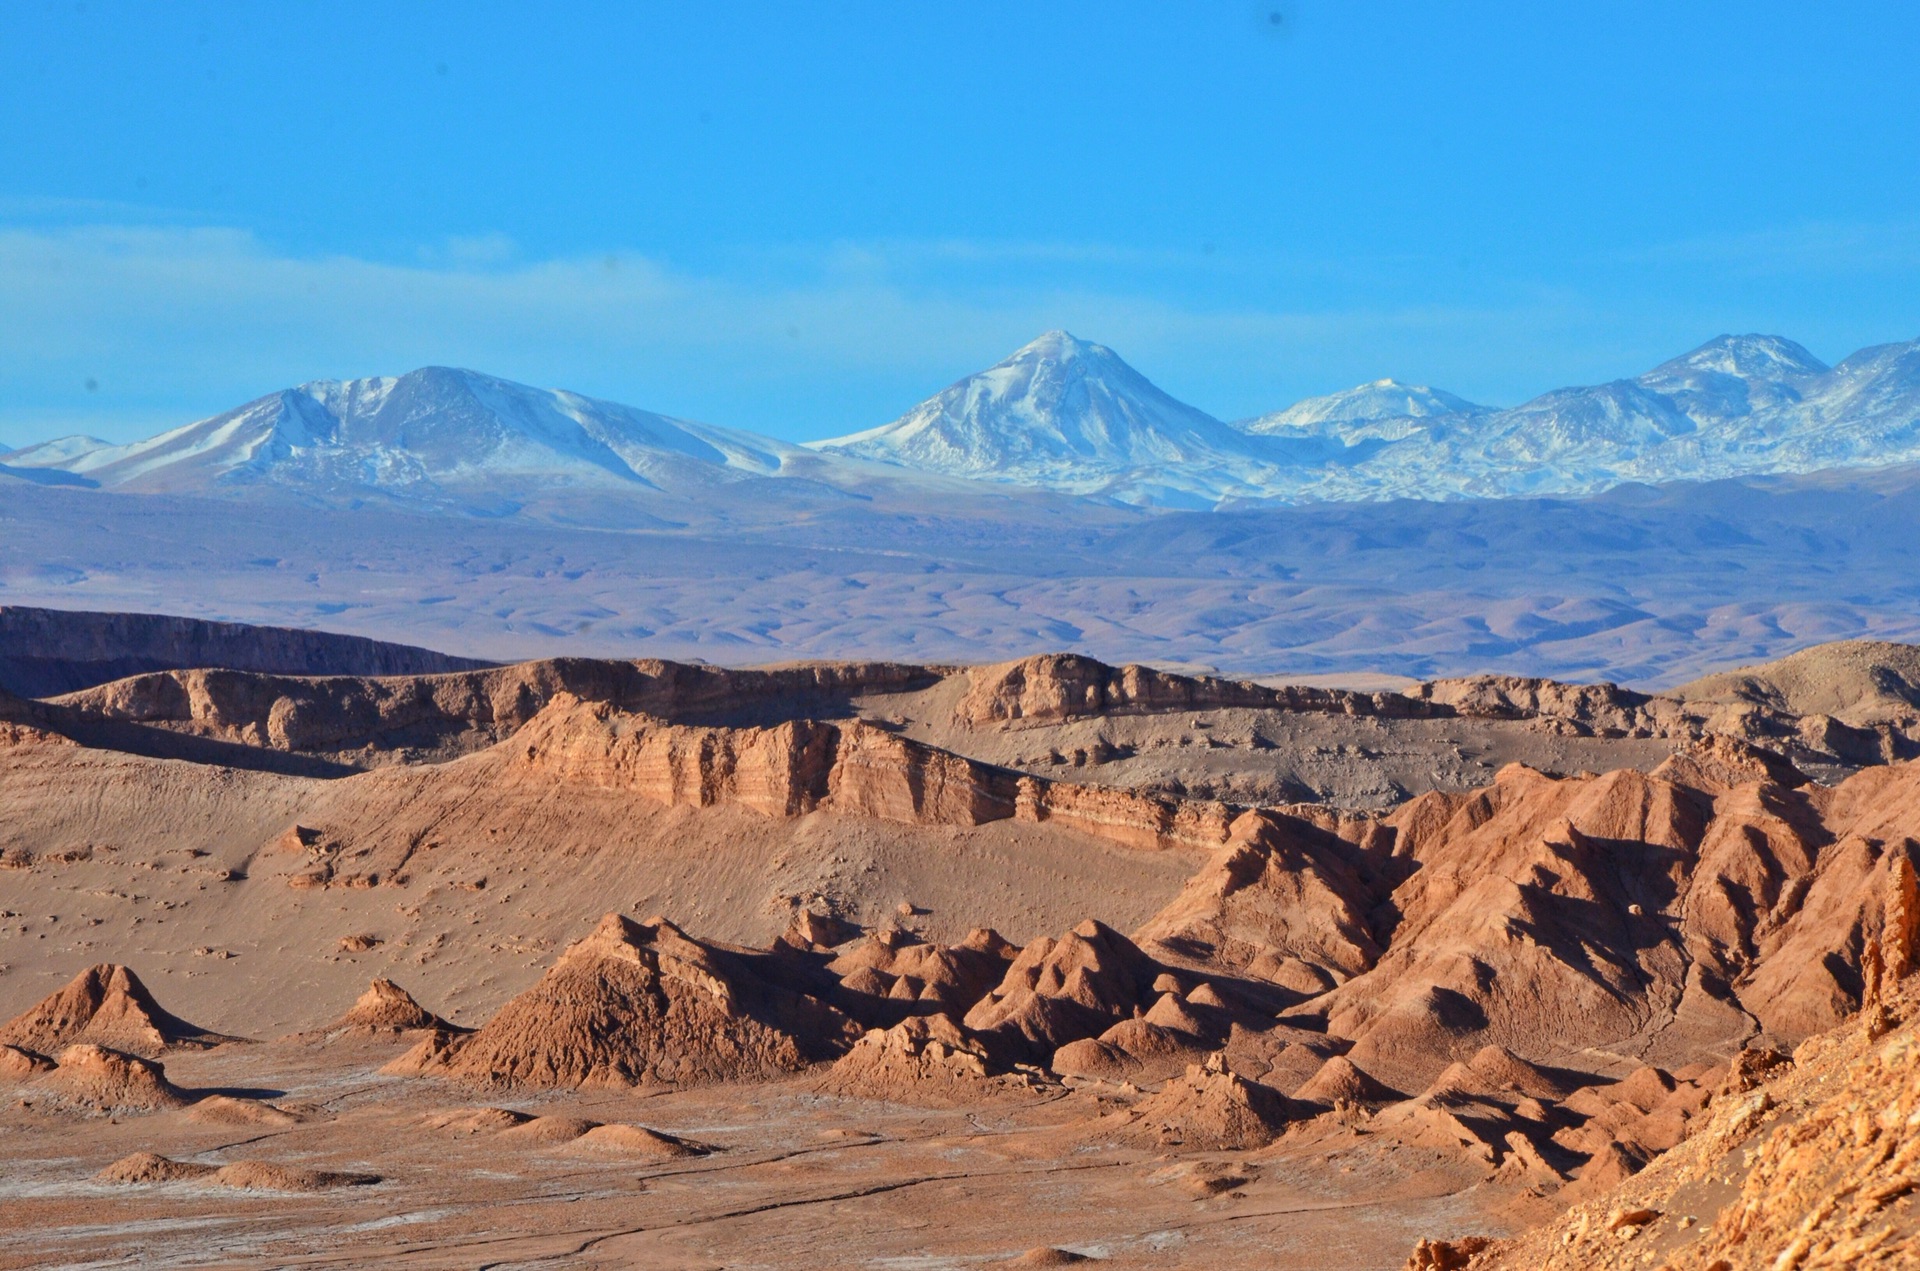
438	437
1072	416
1061	414
1737	405
432	426
1866	410
1675	420
1383	408
50	453
1735	376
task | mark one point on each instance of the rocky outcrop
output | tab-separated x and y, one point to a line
1846	706
1900	917
460	712
104	1005
1667	916
801	766
1054	687
24	722
1821	1153
44	652
1860	683
636	1004
1060	991
1638	1117
1287	902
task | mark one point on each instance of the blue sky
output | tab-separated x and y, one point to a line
803	218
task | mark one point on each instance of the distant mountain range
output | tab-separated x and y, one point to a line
1735	406
1060	415
459	441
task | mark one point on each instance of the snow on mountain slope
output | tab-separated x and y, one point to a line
1737	405
1062	414
1071	415
1735	376
1384	407
436	426
1866	410
458	440
49	453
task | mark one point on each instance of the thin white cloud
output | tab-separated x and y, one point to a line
1816	248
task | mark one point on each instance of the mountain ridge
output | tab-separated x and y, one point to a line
1073	416
1060	414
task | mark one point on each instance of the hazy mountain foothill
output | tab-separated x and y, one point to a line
1056	826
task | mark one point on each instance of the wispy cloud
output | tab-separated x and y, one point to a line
1817	248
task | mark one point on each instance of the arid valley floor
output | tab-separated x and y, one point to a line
320	952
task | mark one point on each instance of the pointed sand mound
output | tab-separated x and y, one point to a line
549	1129
146	1167
639	1003
1496	1072
476	1120
1059	991
1136	1050
1338	1081
638	1140
1211	1108
387	1008
925	1060
104	1005
222	1109
898	967
94	1079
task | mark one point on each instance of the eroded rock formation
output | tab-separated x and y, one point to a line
108	1006
1058	686
636	1003
802	766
